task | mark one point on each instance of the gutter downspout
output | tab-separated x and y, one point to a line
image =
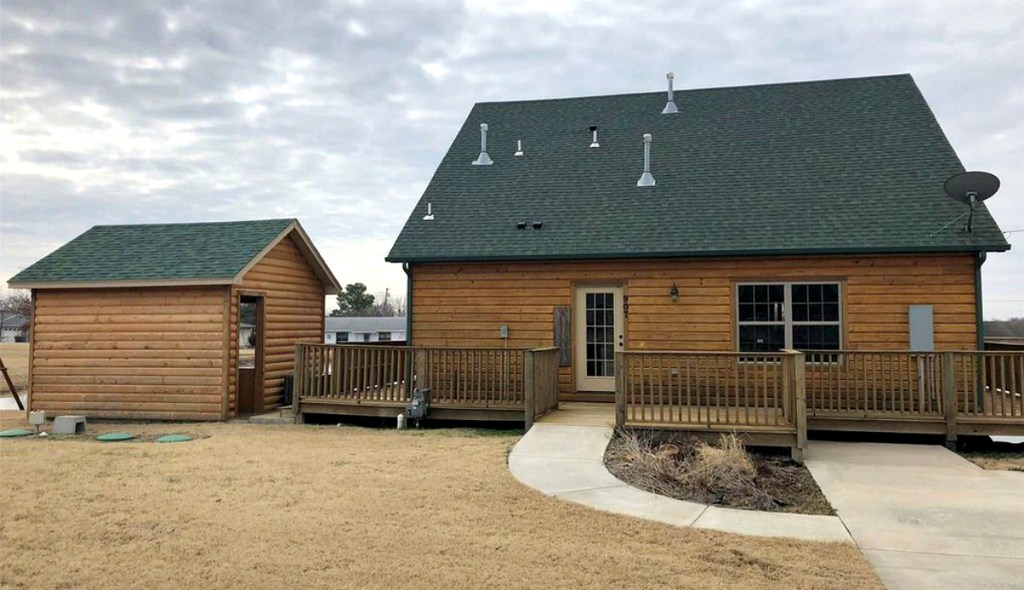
410	368
980	317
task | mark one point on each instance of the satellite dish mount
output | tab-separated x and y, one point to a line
971	188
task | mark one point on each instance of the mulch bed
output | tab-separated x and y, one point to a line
679	469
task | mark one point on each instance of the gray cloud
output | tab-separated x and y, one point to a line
338	112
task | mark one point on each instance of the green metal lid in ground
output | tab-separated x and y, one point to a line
115	436
173	438
15	432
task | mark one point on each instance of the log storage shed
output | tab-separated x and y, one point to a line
142	321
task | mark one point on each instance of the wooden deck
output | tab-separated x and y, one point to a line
465	384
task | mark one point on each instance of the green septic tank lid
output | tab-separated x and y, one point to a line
115	436
168	438
13	432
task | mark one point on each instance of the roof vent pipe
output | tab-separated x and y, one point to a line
594	144
483	159
430	213
670	106
519	148
646	179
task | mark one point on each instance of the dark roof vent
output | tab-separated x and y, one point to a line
670	106
520	225
538	224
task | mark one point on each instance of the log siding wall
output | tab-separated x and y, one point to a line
294	312
465	304
153	353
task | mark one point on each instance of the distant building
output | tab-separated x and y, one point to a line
13	328
359	330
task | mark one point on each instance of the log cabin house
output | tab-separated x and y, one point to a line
142	321
759	259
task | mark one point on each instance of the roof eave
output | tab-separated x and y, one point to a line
121	284
701	254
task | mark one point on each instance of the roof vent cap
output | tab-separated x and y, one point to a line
594	144
520	225
646	179
538	224
519	148
483	159
670	106
430	213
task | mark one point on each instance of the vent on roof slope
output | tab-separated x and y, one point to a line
519	148
593	143
670	106
646	179
430	213
483	159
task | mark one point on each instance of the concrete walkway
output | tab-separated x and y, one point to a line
924	516
566	461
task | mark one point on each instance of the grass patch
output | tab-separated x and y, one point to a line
990	454
253	506
723	474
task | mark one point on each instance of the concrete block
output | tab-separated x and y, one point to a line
69	425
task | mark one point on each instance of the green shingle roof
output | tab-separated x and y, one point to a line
836	166
164	252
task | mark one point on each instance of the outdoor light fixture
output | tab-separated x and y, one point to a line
674	293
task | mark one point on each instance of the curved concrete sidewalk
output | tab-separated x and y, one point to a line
567	462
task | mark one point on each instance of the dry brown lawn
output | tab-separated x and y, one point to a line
250	506
15	357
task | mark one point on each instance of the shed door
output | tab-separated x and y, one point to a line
600	331
249	381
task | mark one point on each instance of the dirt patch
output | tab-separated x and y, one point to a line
723	474
253	506
989	454
15	357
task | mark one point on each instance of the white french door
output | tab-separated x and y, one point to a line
599	332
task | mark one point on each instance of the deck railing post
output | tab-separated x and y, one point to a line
795	397
298	381
949	404
421	377
529	392
620	389
800	404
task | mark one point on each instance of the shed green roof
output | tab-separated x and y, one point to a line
836	166
201	253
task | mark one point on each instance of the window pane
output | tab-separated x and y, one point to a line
746	294
746	312
762	338
799	293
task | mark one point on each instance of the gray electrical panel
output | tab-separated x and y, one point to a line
922	328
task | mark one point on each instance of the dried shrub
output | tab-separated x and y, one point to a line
723	473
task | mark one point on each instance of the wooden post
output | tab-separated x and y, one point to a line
620	389
949	398
800	405
298	382
10	385
528	388
420	370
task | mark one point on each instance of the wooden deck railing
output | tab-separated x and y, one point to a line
460	378
759	393
540	370
465	376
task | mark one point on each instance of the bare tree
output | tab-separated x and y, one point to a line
15	302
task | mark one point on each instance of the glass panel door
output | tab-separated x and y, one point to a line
599	333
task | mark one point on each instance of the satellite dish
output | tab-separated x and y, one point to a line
970	188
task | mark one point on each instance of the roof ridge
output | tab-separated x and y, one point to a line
703	89
184	223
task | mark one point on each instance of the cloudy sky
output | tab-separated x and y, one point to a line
338	112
